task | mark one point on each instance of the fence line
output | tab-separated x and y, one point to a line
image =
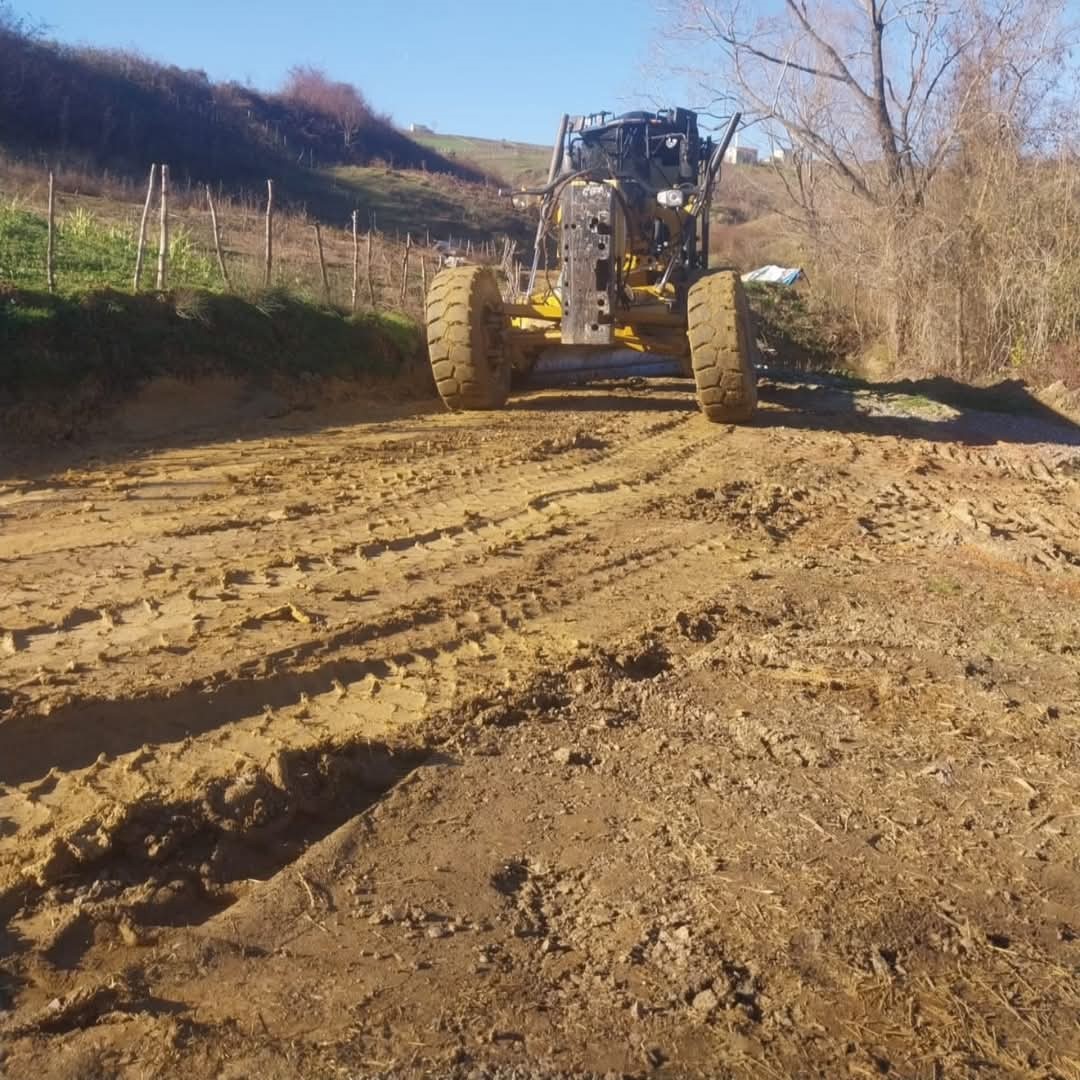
335	268
141	249
269	257
50	251
355	260
405	269
217	239
163	245
322	262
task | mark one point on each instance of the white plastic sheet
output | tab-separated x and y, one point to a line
775	275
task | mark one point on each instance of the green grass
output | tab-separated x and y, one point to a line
120	340
916	403
90	254
800	334
512	162
94	327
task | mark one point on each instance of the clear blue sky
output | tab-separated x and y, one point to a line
495	68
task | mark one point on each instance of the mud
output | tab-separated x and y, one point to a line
585	738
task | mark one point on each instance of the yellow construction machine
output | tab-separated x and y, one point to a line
620	270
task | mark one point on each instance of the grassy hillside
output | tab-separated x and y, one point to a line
429	204
514	163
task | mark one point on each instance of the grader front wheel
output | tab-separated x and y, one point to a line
465	334
722	348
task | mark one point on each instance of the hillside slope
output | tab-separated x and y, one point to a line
516	163
115	110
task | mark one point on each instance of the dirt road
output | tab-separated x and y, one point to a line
581	738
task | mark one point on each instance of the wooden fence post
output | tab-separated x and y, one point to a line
163	244
322	262
355	258
141	249
217	238
405	268
370	280
269	231
423	276
50	258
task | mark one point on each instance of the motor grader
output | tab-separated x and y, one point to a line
620	272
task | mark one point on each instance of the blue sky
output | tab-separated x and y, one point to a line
495	68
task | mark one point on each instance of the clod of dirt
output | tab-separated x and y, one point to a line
652	658
501	715
701	627
566	755
79	1009
283	613
579	440
510	877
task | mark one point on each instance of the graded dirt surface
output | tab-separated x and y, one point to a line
581	738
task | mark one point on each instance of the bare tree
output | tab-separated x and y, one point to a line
340	101
883	92
18	25
922	133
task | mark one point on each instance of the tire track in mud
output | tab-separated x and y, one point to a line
524	559
472	627
475	499
470	650
515	515
983	500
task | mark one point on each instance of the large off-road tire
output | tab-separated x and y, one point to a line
465	334
722	347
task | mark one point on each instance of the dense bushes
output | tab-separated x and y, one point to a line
982	278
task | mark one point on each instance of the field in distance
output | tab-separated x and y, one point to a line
517	163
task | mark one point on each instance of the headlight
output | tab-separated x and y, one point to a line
673	199
521	202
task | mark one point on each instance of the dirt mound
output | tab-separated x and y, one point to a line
1062	400
170	408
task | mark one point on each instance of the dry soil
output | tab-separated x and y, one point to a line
581	738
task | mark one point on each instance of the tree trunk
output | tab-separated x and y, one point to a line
882	120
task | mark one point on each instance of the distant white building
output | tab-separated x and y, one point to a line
420	129
740	155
